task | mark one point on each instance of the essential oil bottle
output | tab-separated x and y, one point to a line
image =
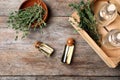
112	39
68	51
44	48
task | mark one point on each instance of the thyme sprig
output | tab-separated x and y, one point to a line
87	20
27	19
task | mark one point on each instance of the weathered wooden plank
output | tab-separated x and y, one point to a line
7	6
50	33
21	58
78	78
58	78
56	7
18	78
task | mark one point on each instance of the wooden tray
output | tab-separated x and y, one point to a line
110	56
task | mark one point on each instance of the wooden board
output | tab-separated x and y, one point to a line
110	56
92	43
57	78
20	58
113	53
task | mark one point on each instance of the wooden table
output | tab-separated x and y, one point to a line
21	60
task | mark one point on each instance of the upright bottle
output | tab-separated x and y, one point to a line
106	14
68	51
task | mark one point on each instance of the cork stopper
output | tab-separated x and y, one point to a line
37	44
70	41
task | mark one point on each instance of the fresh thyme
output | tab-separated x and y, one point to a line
27	19
87	20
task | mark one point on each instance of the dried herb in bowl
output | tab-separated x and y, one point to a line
87	20
27	19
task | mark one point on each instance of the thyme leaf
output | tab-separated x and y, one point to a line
87	20
24	19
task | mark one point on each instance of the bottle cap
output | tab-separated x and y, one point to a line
37	44
70	41
111	8
118	37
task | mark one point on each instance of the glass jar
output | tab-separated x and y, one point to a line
106	14
112	39
44	48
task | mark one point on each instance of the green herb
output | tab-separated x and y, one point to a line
87	20
27	19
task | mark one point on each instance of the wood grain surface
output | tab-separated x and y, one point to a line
58	78
21	58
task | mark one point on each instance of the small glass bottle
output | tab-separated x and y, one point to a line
68	51
112	39
107	14
44	48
